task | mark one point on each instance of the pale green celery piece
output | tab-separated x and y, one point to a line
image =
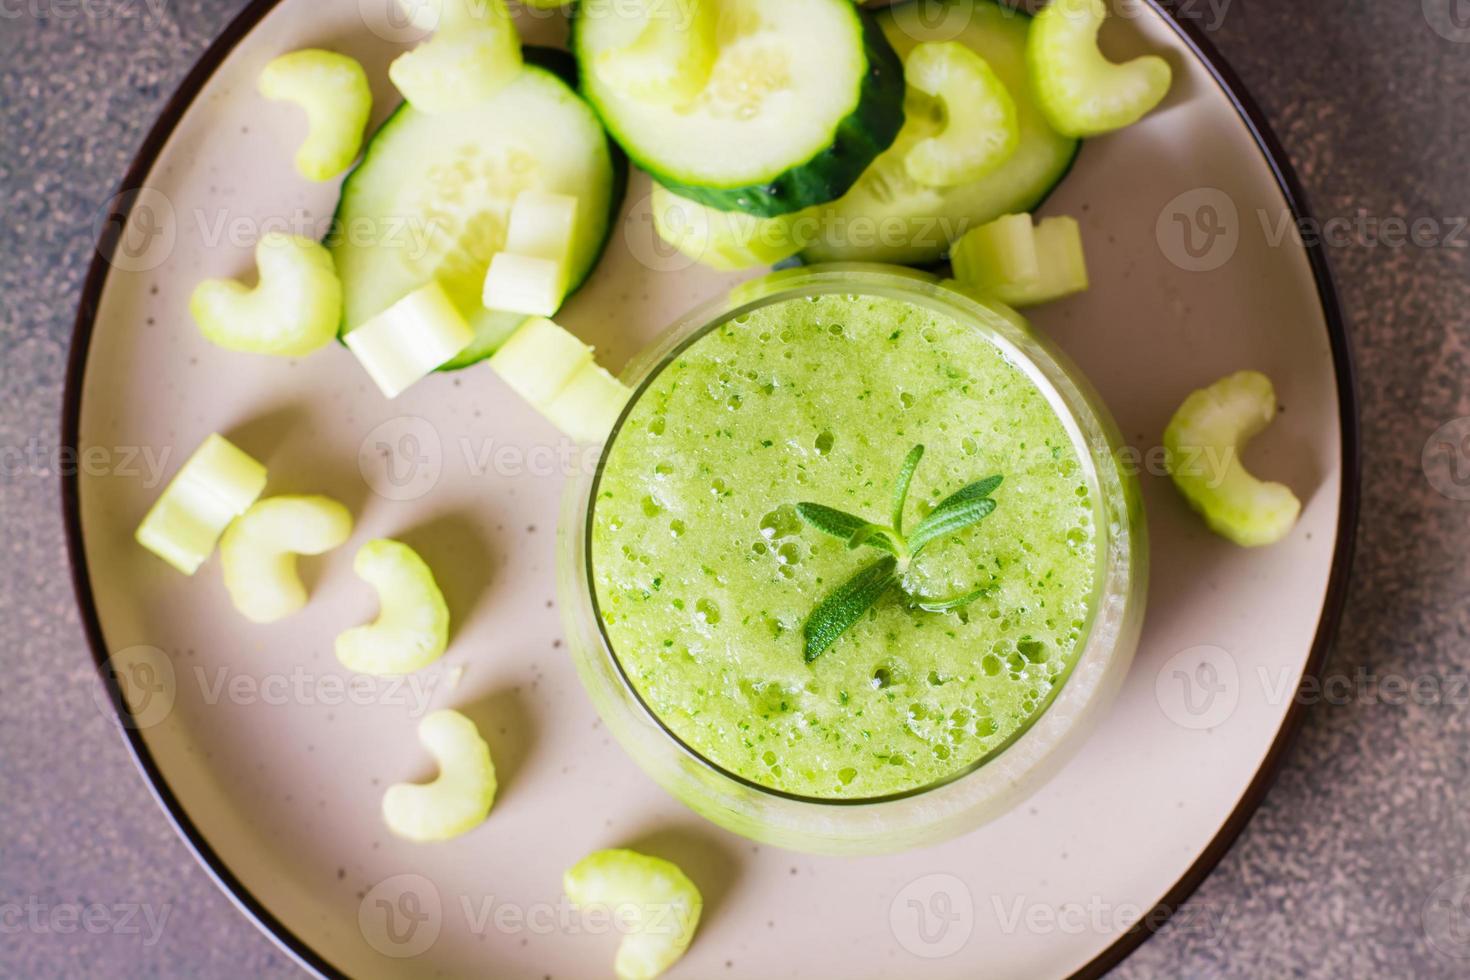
539	360
213	487
542	224
524	284
475	51
459	798
1081	92
1001	253
412	628
333	90
258	552
1203	445
671	59
981	130
294	310
406	342
727	240
657	901
589	405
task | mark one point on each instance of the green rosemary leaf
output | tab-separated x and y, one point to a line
947	520
830	520
901	485
950	604
837	613
975	491
875	536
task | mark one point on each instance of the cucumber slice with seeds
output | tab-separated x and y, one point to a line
1204	441
891	217
980	131
804	94
459	798
1081	91
670	61
726	240
431	199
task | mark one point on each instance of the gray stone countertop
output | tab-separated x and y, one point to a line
1367	826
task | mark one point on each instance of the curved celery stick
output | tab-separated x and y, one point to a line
671	59
1204	441
589	405
333	89
412	628
295	309
474	52
258	552
407	341
1081	92
213	487
459	798
980	132
727	240
658	902
539	360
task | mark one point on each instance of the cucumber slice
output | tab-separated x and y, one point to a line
539	360
459	798
891	217
670	61
432	197
333	89
412	628
1023	266
1203	444
406	342
474	53
980	131
726	240
215	485
588	406
657	906
291	312
258	552
803	96
1081	91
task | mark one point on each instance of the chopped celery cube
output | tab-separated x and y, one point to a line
981	130
333	89
258	552
539	360
412	628
588	407
294	310
407	341
998	263
459	798
474	53
524	284
1001	253
213	487
661	906
1081	92
1203	444
541	225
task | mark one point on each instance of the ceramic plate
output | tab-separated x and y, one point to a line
272	760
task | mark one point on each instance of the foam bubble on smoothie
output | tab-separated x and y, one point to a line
820	399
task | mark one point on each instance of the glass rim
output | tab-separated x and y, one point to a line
891	282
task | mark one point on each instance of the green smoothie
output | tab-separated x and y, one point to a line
704	573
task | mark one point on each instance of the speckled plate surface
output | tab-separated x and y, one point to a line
272	760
